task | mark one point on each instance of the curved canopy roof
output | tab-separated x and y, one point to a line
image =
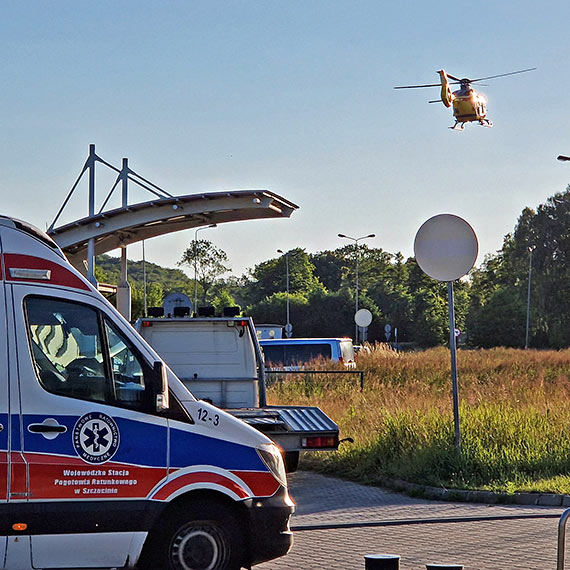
136	222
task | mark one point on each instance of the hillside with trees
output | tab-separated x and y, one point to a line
490	303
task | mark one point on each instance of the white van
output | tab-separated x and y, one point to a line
219	359
294	352
106	459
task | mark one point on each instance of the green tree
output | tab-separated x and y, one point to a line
501	320
545	232
319	314
331	314
431	323
329	268
273	310
154	298
222	298
208	261
270	276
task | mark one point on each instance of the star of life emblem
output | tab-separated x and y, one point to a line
96	437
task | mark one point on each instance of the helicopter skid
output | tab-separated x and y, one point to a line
460	126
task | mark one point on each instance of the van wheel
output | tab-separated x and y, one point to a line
202	537
291	460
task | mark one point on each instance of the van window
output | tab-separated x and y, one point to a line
292	354
78	353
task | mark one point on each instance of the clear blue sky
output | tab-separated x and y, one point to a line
292	96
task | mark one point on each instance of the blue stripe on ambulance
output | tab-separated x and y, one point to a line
188	448
136	446
15	433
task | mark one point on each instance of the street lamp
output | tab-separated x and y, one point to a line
196	265
356	240
530	250
288	326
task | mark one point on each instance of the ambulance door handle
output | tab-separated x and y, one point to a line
49	428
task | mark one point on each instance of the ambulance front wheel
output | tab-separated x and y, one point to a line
202	537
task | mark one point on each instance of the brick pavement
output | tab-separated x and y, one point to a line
420	531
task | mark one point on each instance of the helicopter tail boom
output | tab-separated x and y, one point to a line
446	95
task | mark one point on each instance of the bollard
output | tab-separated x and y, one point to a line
444	566
381	562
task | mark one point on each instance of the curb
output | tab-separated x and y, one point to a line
462	495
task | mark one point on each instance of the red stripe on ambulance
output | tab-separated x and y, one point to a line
54	477
261	483
59	275
199	477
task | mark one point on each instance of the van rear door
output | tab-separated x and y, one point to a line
93	442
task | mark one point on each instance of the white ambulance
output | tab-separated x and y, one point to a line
106	459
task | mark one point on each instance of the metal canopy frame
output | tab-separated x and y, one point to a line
104	231
129	224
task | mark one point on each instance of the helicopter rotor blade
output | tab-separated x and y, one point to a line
502	74
418	86
436	101
454	78
454	82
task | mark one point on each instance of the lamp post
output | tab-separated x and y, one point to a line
288	326
356	240
530	250
196	265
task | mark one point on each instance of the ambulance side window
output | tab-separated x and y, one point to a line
127	370
66	348
78	353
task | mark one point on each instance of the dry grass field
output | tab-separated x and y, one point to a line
514	411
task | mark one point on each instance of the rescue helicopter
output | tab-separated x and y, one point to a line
468	105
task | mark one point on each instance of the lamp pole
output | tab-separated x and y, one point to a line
288	327
356	240
196	265
530	250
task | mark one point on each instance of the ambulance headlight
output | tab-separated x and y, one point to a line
271	456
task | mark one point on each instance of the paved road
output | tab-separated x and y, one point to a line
338	522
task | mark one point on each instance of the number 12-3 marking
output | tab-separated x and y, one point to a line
204	416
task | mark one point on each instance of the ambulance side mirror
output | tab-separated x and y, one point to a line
160	386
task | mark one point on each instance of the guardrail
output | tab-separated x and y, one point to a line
359	372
